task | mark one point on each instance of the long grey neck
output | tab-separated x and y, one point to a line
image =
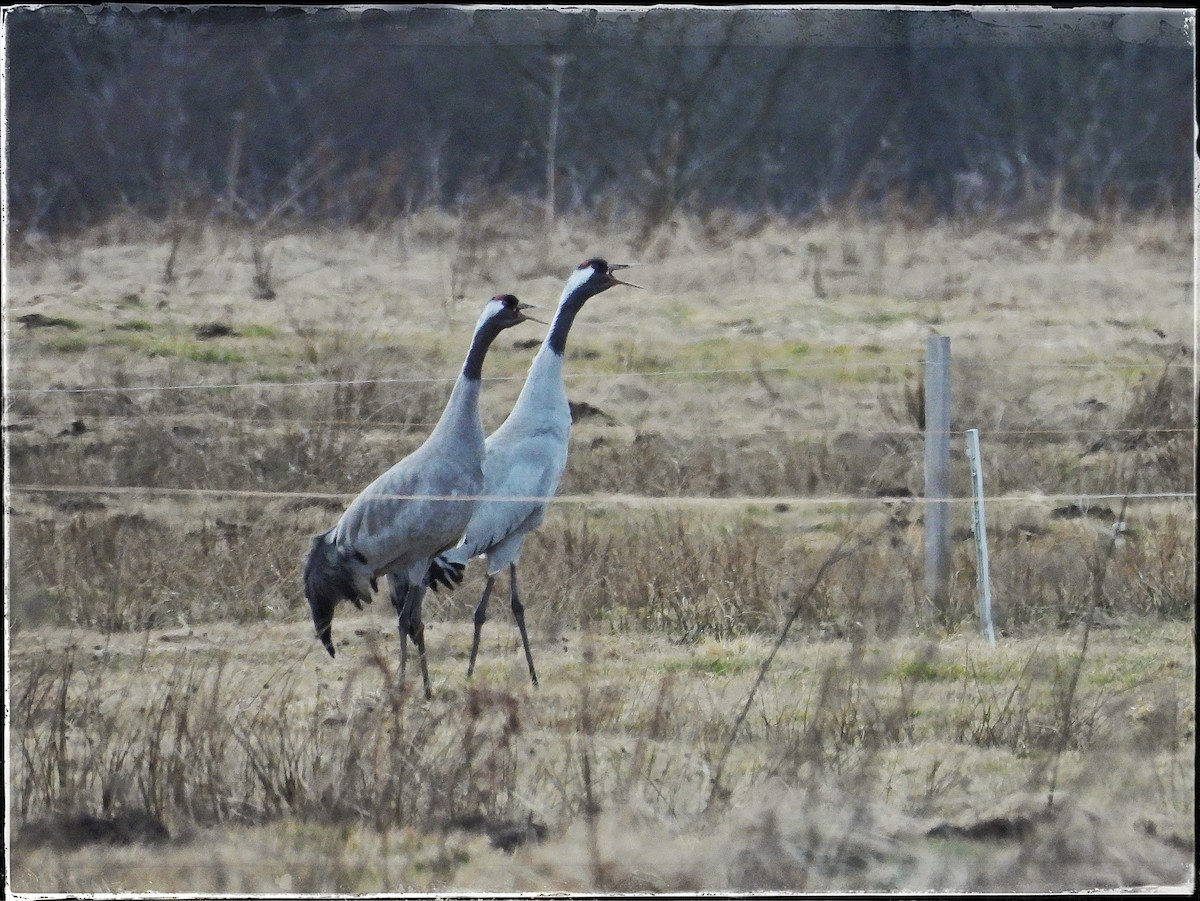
464	398
568	307
473	365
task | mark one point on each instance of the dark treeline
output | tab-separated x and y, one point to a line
341	117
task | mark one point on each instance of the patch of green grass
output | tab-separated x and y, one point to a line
709	353
873	348
1123	672
135	325
710	665
921	669
883	317
715	353
255	330
126	340
932	669
190	350
68	344
1119	680
214	355
162	349
275	375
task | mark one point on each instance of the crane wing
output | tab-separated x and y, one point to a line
526	479
404	512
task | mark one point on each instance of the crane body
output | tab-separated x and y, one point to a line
525	460
415	510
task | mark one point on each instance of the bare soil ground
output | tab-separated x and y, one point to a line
174	725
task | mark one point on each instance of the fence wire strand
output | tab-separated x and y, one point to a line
608	499
651	373
367	424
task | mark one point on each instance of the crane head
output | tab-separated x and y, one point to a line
504	311
600	277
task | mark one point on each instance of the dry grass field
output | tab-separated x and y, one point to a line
746	462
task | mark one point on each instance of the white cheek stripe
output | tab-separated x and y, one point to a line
493	307
578	277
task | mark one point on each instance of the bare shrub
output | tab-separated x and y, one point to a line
127	572
1153	572
1165	403
716	466
190	755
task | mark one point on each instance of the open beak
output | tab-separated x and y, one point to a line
522	307
616	281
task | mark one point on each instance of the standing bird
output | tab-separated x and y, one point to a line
411	513
525	461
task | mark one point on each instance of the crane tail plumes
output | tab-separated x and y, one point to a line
445	572
332	575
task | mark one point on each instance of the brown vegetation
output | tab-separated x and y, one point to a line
165	684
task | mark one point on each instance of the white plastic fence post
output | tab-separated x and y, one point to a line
937	469
979	527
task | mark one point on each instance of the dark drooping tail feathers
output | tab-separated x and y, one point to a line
445	572
329	577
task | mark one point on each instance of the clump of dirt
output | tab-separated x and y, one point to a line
1075	511
1028	844
216	330
39	320
505	834
823	839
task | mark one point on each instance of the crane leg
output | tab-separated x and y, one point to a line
398	594
480	618
412	626
518	610
416	631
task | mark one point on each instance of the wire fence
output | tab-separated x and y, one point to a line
607	499
643	373
268	420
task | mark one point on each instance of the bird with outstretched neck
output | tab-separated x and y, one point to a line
414	511
525	460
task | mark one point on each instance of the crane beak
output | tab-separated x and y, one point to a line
616	281
522	307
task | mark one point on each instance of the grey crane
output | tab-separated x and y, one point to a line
525	460
412	512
